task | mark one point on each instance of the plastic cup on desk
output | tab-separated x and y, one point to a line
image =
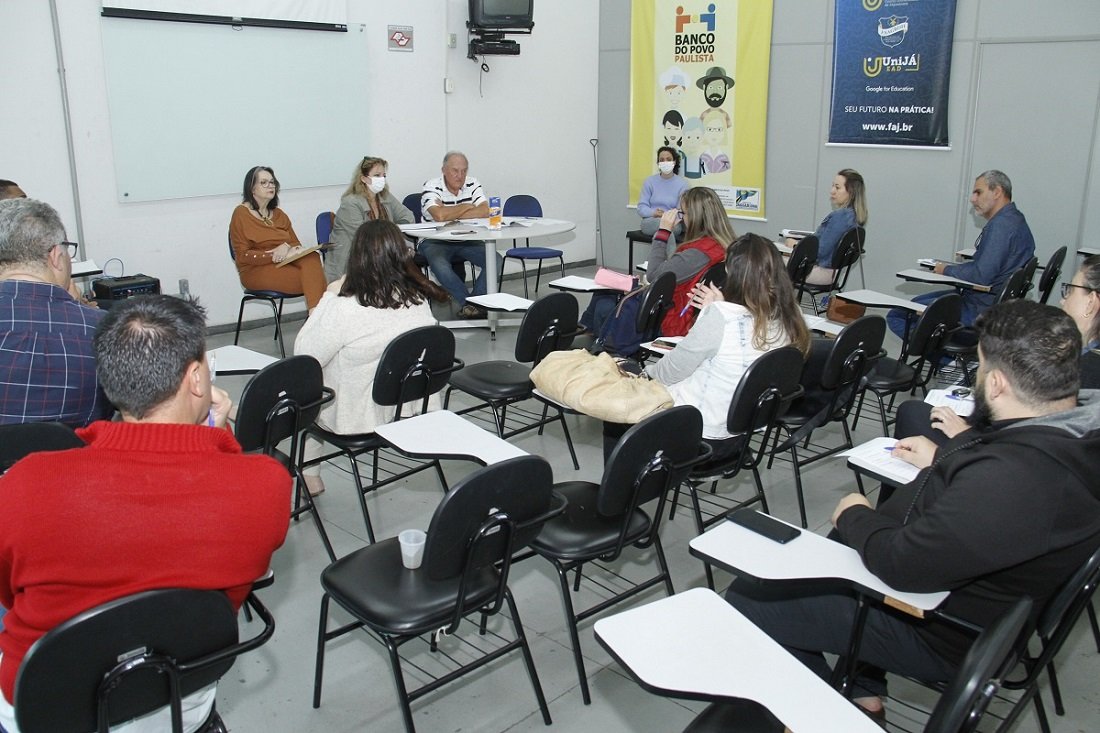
495	216
412	547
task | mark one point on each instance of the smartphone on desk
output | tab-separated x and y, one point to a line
762	524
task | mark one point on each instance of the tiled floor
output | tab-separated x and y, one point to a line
271	689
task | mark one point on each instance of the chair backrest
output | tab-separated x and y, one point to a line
550	324
170	631
414	366
412	203
323	225
1029	272
1051	273
232	254
802	259
649	458
855	347
280	401
715	276
1015	286
483	521
933	329
522	204
846	254
990	657
19	440
765	391
656	301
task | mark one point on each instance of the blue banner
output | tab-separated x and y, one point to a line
891	69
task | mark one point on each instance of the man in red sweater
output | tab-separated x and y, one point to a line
162	499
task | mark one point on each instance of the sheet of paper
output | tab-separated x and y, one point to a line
427	226
962	406
501	302
576	283
874	455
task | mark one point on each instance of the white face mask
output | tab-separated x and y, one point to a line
666	166
377	183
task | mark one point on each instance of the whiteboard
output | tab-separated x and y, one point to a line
193	107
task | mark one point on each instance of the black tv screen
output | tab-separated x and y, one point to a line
502	13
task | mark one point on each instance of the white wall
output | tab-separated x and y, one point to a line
527	131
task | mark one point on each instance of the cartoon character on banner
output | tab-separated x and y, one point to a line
716	125
693	146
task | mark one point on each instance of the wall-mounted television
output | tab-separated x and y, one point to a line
502	14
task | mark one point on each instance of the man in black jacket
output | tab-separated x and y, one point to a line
1010	507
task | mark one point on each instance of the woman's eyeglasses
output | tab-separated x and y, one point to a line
1067	286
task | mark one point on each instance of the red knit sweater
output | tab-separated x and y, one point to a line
143	506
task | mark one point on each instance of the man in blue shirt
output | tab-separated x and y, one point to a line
1004	245
47	365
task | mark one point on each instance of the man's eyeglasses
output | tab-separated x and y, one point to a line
70	248
1066	288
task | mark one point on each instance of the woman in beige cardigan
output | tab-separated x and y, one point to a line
358	316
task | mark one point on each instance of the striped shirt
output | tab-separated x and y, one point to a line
47	363
436	193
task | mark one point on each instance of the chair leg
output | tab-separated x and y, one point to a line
1095	627
798	487
523	264
517	624
311	507
1055	690
319	665
279	328
760	491
568	440
399	683
442	478
362	494
538	276
447	397
240	317
574	637
662	563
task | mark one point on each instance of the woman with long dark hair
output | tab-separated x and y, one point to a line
360	313
757	312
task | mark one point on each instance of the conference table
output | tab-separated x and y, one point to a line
809	559
477	230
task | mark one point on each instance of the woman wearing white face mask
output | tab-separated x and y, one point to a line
661	191
367	198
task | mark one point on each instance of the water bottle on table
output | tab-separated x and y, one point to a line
495	217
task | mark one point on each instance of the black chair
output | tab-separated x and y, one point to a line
962	346
961	705
846	254
802	260
524	205
1055	622
893	376
413	367
548	325
1029	274
21	439
486	518
601	520
852	355
655	304
274	298
279	403
129	657
635	236
1051	273
762	396
715	275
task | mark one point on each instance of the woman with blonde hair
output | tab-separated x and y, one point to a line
848	197
707	234
367	198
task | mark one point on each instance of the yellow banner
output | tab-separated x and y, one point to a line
699	83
